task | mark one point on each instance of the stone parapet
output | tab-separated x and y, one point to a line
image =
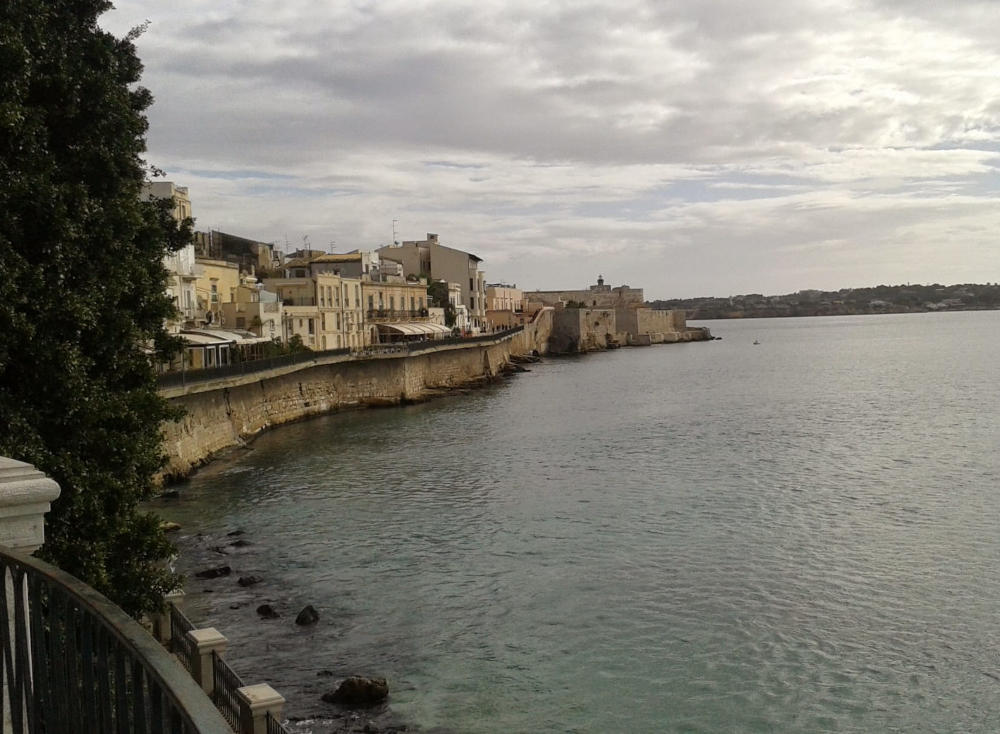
25	496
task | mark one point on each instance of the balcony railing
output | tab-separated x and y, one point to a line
72	661
397	315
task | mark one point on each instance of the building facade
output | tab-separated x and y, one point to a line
430	258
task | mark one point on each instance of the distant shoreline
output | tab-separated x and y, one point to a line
693	316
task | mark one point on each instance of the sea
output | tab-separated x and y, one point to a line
792	528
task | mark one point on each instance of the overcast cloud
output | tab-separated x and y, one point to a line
689	147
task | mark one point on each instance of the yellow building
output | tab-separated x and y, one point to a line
217	283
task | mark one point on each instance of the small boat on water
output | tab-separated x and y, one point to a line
756	342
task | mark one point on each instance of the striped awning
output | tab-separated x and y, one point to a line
416	328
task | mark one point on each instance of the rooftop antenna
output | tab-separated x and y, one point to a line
395	241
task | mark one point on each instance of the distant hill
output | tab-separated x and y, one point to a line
846	301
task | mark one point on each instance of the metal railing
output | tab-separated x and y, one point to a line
180	645
184	377
71	661
178	379
274	726
225	682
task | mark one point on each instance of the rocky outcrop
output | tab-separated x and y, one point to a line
307	616
358	691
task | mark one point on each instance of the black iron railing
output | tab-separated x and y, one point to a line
274	726
71	661
225	682
177	379
180	645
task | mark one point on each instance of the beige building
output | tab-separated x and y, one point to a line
216	285
254	309
501	297
323	310
182	270
430	258
391	304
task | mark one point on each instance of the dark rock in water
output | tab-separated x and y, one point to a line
219	549
307	616
234	533
267	611
249	580
241	543
358	691
214	573
325	674
236	605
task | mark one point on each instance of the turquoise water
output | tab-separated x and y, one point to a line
799	536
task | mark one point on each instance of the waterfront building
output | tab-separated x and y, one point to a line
429	258
324	310
215	286
250	256
504	305
182	270
255	309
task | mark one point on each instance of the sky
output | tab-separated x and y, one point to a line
689	147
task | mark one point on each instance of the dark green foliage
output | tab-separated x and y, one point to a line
82	291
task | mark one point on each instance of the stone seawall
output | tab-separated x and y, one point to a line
226	412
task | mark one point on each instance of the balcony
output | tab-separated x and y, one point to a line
385	315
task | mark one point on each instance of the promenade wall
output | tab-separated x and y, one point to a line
225	412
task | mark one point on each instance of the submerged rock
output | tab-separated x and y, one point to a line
241	543
214	573
307	616
267	611
358	691
170	527
249	580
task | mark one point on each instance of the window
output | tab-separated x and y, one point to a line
371	302
322	300
347	297
392	303
357	295
472	284
312	327
413	303
338	325
338	296
215	293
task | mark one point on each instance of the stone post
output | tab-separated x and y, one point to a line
25	497
161	620
206	641
256	702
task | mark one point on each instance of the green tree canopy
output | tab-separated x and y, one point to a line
82	291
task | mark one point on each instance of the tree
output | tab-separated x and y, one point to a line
82	291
